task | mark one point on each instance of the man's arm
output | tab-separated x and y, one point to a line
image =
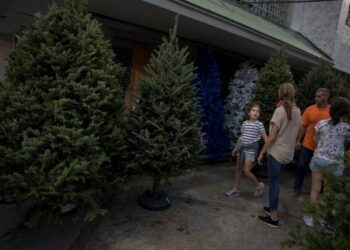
316	137
304	123
300	137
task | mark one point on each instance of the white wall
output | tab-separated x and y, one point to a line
323	23
341	51
6	46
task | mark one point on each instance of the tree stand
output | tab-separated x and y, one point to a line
155	201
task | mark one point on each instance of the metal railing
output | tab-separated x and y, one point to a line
273	10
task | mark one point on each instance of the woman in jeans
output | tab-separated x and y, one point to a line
284	127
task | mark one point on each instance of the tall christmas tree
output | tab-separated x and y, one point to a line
271	76
212	109
60	107
163	133
240	95
321	76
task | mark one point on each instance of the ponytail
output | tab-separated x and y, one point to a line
288	106
286	94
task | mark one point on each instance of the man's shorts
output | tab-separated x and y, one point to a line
317	164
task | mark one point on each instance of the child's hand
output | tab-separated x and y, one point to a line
260	159
233	153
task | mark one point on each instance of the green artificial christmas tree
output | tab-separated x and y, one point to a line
163	133
321	76
60	108
271	76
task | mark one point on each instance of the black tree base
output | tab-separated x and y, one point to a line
154	201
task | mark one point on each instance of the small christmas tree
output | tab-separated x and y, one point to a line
240	95
321	76
163	133
271	76
60	107
333	208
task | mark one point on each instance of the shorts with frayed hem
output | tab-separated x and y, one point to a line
317	164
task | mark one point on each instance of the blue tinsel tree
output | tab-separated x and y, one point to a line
212	131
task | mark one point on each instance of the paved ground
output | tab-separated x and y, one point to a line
200	217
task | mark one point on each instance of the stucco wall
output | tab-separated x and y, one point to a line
323	23
6	46
342	44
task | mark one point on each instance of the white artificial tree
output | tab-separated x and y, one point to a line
240	95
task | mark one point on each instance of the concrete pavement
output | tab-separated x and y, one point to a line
200	217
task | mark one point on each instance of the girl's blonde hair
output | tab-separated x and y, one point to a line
286	94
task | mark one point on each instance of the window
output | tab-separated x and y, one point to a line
347	22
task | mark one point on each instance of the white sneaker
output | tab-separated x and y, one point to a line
259	190
328	229
309	221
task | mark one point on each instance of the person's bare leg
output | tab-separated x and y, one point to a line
248	165
316	184
238	175
236	180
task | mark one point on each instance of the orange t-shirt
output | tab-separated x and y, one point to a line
311	116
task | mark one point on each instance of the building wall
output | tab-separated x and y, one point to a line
342	44
6	46
323	23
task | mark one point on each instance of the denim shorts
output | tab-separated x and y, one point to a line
249	154
317	164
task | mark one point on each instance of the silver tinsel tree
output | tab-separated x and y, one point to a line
240	95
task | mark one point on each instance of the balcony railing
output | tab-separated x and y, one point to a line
273	10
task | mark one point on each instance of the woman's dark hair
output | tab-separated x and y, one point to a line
339	108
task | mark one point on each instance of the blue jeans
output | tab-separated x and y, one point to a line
274	169
305	156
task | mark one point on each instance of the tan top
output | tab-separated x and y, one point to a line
283	147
